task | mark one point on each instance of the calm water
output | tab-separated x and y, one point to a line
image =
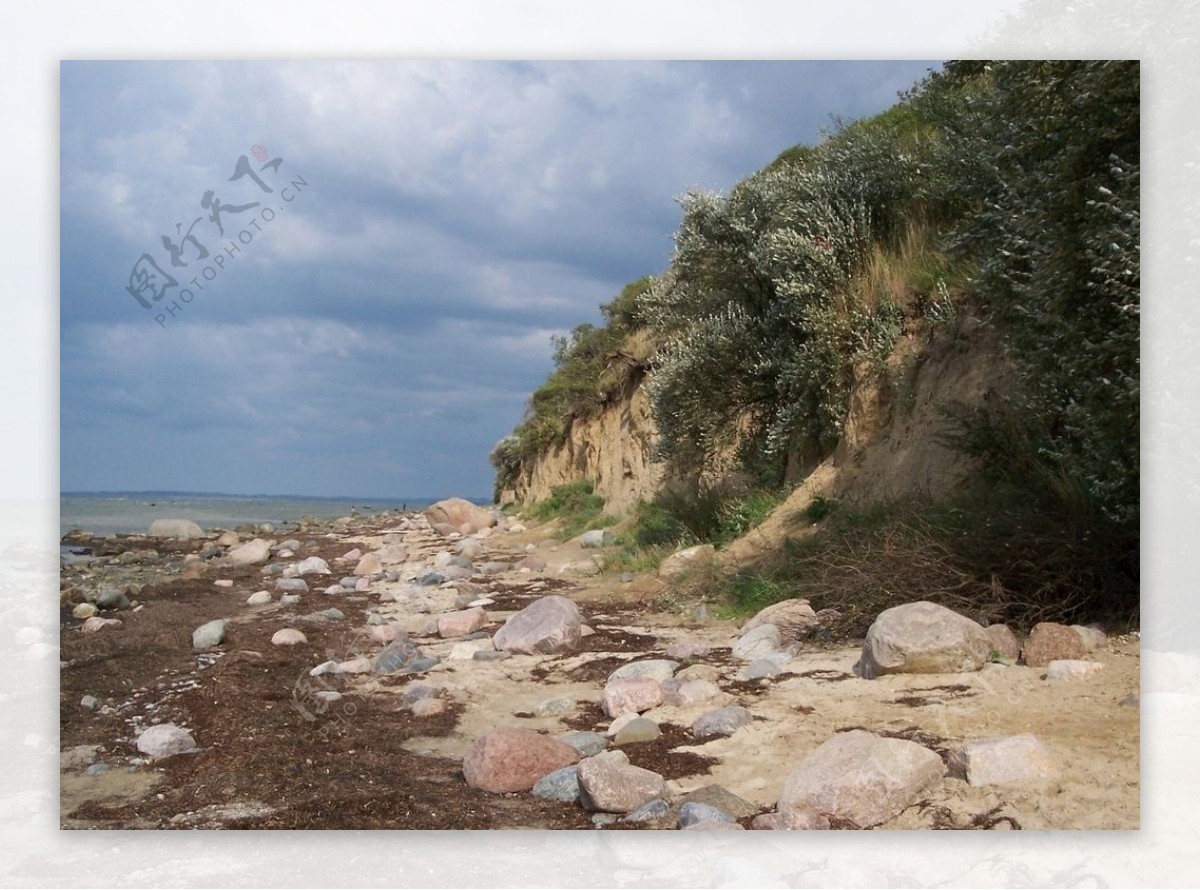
104	514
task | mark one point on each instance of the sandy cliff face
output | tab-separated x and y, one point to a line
611	450
891	447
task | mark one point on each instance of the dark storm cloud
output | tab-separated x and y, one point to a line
386	327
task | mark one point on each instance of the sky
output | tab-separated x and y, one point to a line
374	301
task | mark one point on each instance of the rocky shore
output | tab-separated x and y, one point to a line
456	669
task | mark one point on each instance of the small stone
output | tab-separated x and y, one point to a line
588	744
97	769
601	537
469	650
96	623
209	634
798	820
723	799
348	583
384	633
329	696
561	785
687	649
767	666
613	787
89	702
223	582
639	729
1133	700
314	565
693	813
721	722
362	585
491	656
360	665
325	667
111	598
421	665
260	598
428	707
396	655
1069	669
599	819
288	636
655	812
84	611
619	723
165	740
292	585
459	624
690	692
554	707
289	599
418	690
250	553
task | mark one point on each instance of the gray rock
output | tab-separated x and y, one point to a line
175	528
97	769
599	819
554	707
396	656
694	813
349	582
654	669
562	785
89	703
600	537
490	655
261	598
290	544
862	777
795	619
250	553
550	624
757	642
639	729
289	599
612	787
770	665
330	615
292	585
416	691
923	638
1071	669
655	812
721	722
314	565
112	598
588	744
431	579
208	635
165	740
421	665
210	551
626	577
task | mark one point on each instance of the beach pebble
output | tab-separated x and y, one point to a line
288	636
259	598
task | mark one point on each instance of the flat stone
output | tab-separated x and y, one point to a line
657	812
223	583
507	759
586	743
554	707
491	655
288	636
548	625
862	777
798	820
1049	642
630	696
561	785
1061	670
923	638
639	729
165	740
175	528
96	624
757	642
209	634
292	585
459	624
429	707
1014	760
721	723
692	813
653	669
260	598
612	787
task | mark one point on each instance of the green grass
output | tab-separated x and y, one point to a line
577	505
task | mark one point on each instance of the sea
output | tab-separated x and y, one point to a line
107	513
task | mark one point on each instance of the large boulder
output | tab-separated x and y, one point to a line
506	759
457	512
861	777
609	786
1052	642
547	625
923	638
175	528
250	553
795	619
